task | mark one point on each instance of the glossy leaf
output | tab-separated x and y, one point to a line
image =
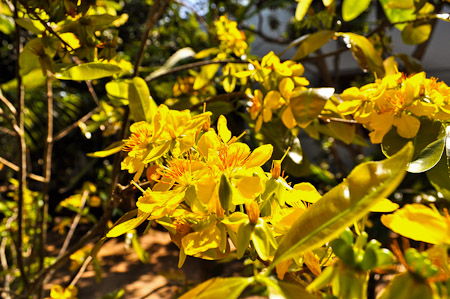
351	9
142	106
407	286
344	204
243	238
225	192
416	34
117	89
125	224
219	287
312	43
88	71
364	53
306	105
428	157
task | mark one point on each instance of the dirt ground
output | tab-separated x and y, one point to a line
160	278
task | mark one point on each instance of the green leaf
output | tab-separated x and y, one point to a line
88	71
370	259
306	105
398	13
225	192
142	106
243	238
428	157
6	24
344	204
313	42
115	147
414	34
117	89
28	25
351	9
125	224
218	287
31	80
364	53
302	8
439	177
283	289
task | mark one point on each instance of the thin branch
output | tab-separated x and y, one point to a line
92	91
220	98
47	170
44	23
153	15
420	50
74	225
195	65
328	119
267	38
197	16
22	154
8	104
83	268
14	167
63	133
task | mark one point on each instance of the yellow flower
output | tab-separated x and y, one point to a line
58	292
160	204
420	223
231	38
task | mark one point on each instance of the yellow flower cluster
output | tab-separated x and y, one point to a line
399	101
212	190
278	82
231	38
170	130
58	292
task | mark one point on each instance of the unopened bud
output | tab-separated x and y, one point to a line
252	212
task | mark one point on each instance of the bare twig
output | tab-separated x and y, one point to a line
335	119
22	154
63	133
195	65
82	269
92	91
74	225
266	37
153	16
17	168
8	104
220	98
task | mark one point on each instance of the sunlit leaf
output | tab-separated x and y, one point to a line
344	204
219	287
306	105
351	9
283	289
88	71
142	106
414	34
125	224
110	150
384	205
302	8
428	157
364	53
313	42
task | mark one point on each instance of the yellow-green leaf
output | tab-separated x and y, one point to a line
110	150
420	223
88	71
125	224
302	8
351	9
364	53
306	105
313	42
416	34
142	106
344	204
384	205
219	287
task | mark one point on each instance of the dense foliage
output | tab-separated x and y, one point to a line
171	119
